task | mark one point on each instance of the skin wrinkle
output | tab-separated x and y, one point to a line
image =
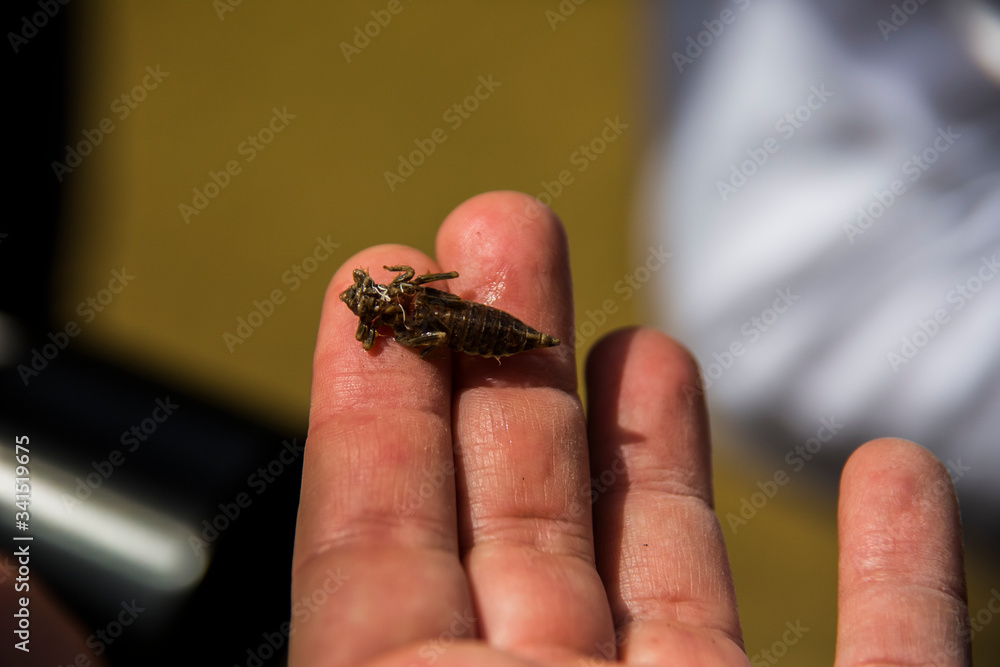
481	414
659	569
544	535
551	418
645	568
363	389
365	430
886	642
509	502
646	474
377	531
541	527
368	453
878	555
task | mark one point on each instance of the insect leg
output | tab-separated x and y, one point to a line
405	273
366	334
430	339
430	350
431	277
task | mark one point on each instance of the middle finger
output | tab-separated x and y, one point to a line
525	526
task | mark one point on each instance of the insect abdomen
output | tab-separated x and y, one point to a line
474	328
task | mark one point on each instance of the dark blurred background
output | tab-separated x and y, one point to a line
172	166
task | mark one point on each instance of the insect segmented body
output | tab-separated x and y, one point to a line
430	318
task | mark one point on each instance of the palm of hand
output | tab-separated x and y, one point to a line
453	500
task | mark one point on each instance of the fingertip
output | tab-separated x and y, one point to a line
675	367
894	491
512	254
338	352
641	381
639	371
901	557
499	207
882	452
899	468
610	351
503	230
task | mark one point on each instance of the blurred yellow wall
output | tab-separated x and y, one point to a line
342	126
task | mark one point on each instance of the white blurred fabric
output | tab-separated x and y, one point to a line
891	95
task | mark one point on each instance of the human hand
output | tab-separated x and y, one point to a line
450	497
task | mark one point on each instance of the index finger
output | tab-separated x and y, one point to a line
377	508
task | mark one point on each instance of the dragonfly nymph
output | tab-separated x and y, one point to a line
431	318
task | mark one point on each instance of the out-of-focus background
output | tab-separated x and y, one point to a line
190	175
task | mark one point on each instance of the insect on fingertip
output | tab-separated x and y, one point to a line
424	317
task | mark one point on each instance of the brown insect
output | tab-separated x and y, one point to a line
430	318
